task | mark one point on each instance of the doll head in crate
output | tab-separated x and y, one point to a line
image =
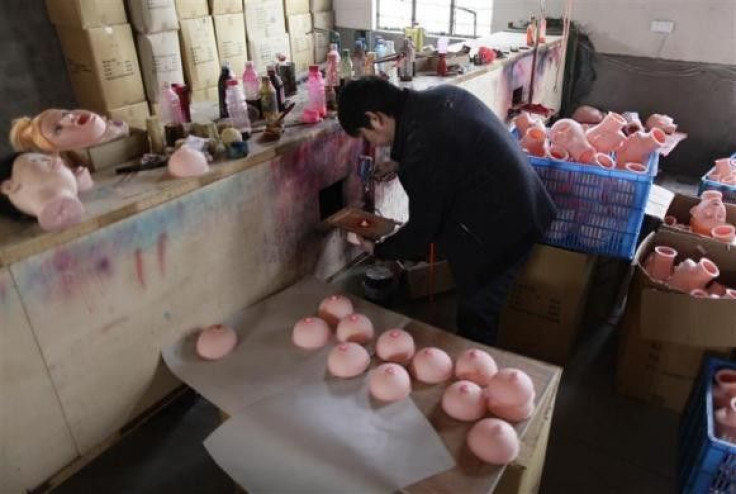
57	130
41	186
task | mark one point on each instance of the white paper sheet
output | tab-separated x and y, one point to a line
265	362
328	437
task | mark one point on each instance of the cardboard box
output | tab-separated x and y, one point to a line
231	44
153	16
160	56
103	66
133	115
294	7
300	42
415	278
679	208
86	14
219	7
205	105
191	9
199	52
320	5
264	19
321	40
542	316
114	153
656	372
263	52
675	317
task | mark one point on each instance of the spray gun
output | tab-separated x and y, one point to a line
365	172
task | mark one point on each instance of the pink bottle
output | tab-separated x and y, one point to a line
726	421
170	106
638	146
707	215
316	107
607	136
570	135
251	82
659	265
535	142
663	122
494	441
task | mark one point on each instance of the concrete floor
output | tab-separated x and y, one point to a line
600	442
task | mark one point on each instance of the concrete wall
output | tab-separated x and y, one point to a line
32	65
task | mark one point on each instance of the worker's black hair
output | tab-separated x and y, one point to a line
366	94
7	208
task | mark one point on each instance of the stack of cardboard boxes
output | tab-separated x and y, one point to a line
101	57
267	38
299	22
199	53
230	34
323	19
158	45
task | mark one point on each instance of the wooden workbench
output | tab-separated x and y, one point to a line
85	312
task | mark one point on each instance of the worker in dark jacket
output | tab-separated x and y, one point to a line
470	187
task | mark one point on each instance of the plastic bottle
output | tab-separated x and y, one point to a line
237	108
225	75
408	63
251	84
278	85
531	31
269	104
381	51
316	107
332	70
542	37
346	68
169	106
358	58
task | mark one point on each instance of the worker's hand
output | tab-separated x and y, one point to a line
365	244
385	171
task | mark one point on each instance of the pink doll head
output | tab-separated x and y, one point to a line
58	130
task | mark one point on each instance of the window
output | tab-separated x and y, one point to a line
456	17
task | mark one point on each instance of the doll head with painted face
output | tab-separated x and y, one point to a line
41	186
63	130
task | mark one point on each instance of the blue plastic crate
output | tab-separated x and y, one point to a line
705	464
729	191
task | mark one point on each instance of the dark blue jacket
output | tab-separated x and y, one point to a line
471	189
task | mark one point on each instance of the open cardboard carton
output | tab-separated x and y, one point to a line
680	207
113	153
672	316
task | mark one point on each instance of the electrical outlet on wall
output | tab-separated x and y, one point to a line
665	27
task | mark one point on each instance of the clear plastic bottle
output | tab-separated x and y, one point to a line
316	91
269	104
237	108
169	106
251	84
358	57
381	51
346	68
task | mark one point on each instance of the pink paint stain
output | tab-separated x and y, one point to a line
139	269
161	253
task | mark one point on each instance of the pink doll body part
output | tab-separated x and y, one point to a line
389	382
587	115
509	388
348	360
660	263
334	308
356	328
215	342
607	136
663	122
477	366
187	162
395	345
494	441
432	366
465	401
310	333
84	179
42	186
569	134
638	146
535	142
